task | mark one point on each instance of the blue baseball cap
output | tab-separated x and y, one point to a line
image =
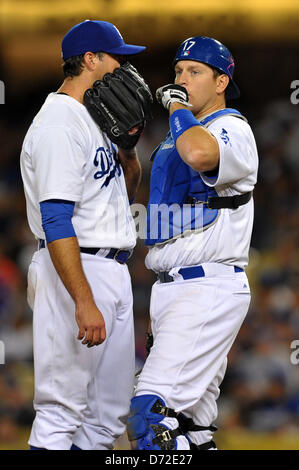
96	36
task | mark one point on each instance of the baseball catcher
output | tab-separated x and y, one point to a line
203	174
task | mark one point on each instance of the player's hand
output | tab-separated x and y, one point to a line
91	324
172	93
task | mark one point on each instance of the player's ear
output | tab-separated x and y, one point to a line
89	61
222	82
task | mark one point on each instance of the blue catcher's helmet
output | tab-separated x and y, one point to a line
213	53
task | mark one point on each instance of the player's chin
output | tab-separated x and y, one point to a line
190	101
194	110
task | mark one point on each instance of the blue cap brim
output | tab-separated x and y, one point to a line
127	49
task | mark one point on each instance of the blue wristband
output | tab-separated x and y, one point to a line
180	121
57	219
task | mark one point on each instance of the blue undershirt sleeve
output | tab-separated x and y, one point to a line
180	121
57	219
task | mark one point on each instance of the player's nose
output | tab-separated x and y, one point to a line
182	79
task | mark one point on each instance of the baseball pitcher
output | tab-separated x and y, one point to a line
80	169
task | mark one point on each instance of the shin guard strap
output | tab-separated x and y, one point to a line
159	408
167	435
204	446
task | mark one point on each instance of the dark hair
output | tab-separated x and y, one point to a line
217	72
74	65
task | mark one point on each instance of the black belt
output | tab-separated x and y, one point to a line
188	273
121	256
223	202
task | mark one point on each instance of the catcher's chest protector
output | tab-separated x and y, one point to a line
173	183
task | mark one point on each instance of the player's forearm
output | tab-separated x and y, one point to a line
198	150
197	146
65	255
132	170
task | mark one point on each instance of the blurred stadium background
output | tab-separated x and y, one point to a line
259	404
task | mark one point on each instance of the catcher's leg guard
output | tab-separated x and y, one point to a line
145	427
186	425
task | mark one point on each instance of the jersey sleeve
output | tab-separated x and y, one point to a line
238	155
58	161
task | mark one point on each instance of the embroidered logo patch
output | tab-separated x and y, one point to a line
224	137
177	124
167	146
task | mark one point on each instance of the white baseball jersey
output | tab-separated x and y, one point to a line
66	156
228	239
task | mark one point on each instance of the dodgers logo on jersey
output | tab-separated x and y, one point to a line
224	136
106	159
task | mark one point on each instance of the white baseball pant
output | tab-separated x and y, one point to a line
194	324
82	395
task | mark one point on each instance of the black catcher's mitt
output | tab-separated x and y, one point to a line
120	102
